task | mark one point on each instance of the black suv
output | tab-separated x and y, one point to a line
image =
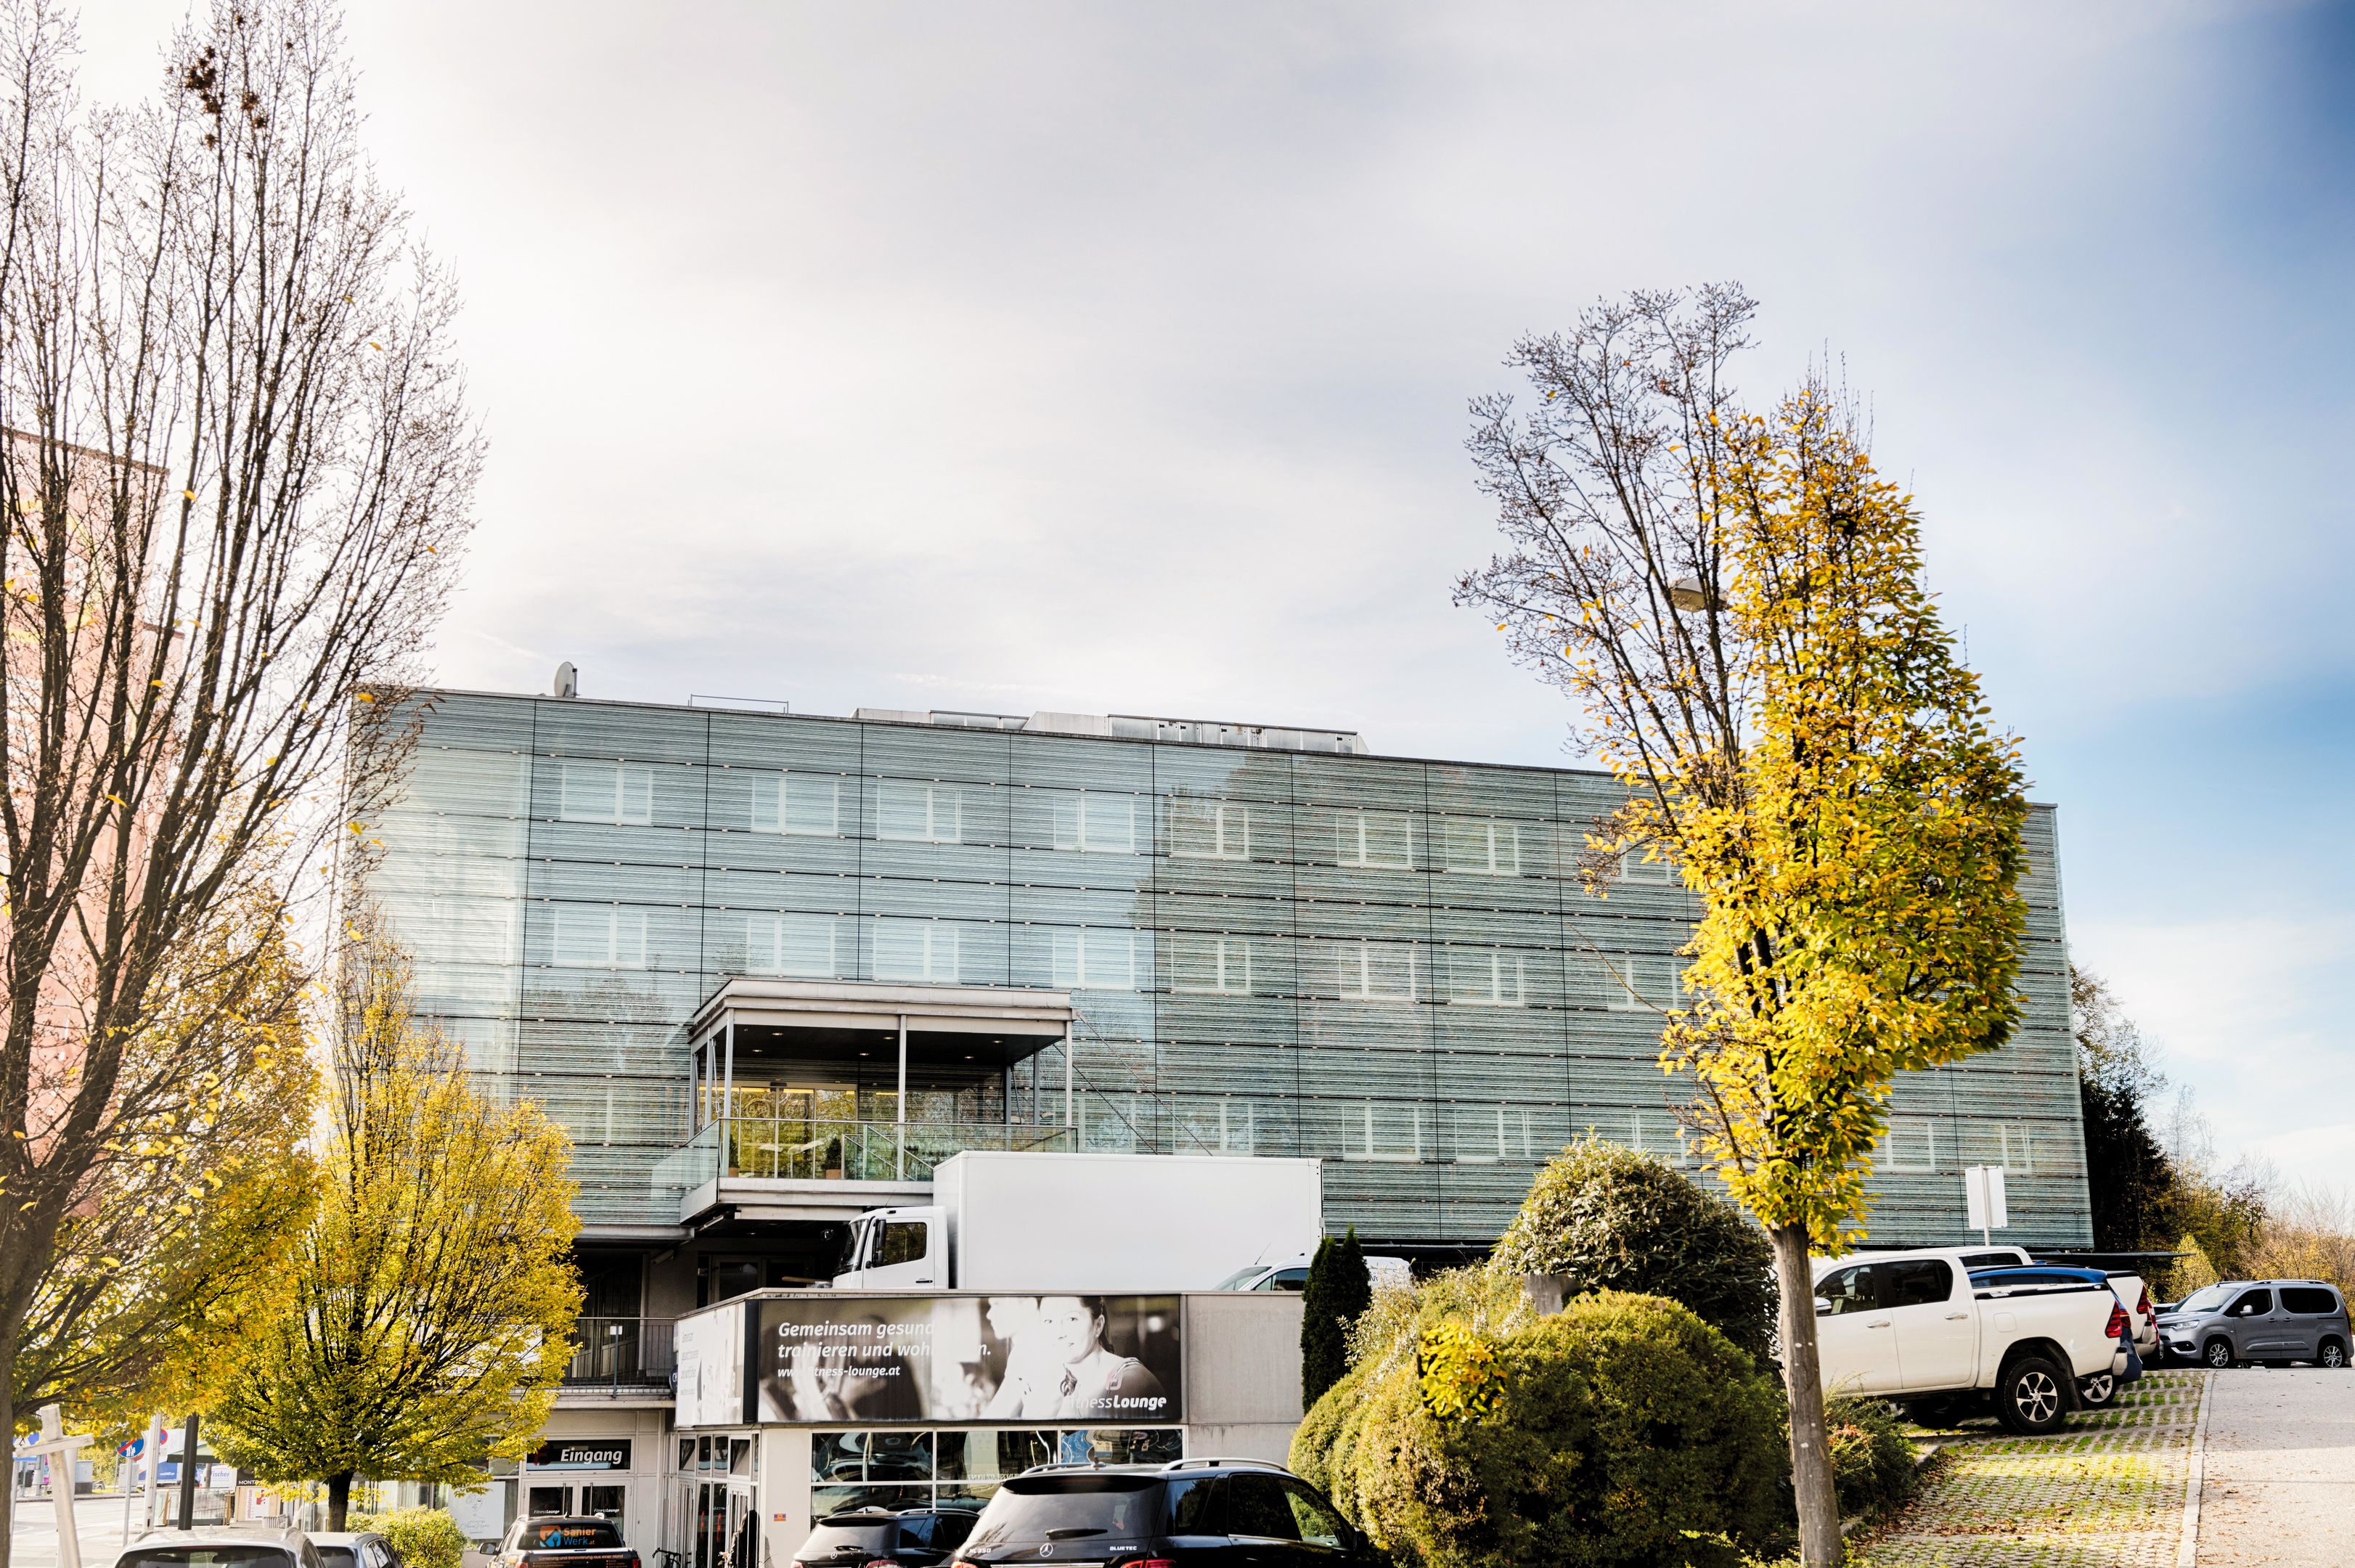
918	1537
1195	1512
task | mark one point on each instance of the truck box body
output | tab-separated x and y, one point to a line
1101	1223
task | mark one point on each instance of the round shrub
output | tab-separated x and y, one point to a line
1620	1431
1611	1219
1872	1461
425	1537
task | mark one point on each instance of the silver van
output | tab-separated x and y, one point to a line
2261	1320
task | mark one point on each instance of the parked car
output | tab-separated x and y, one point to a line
1192	1513
2269	1321
2095	1392
232	1547
1292	1274
917	1536
355	1549
563	1540
2130	1289
1916	1328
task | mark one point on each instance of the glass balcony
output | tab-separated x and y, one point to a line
805	1150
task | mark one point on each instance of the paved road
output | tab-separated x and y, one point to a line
2280	1485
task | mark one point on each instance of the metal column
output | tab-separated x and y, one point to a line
728	1104
899	1153
1069	1127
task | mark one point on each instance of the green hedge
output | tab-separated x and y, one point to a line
1620	1433
1872	1460
425	1537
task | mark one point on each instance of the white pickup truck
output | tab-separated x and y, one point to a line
1910	1327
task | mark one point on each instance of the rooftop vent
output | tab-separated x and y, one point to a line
1134	727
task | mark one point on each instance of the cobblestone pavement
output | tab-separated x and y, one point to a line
2106	1492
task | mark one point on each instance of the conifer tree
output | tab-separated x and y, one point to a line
1338	1290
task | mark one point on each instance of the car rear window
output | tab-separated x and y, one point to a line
572	1535
228	1555
339	1557
2308	1299
841	1540
1029	1511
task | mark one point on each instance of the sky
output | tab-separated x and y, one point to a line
1115	359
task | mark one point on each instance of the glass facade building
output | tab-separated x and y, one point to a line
1272	943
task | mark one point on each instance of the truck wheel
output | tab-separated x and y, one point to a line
2031	1398
2333	1355
2096	1391
2217	1354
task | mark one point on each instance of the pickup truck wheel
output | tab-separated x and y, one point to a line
2332	1355
2031	1398
2217	1354
2096	1391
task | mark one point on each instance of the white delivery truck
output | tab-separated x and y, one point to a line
1103	1223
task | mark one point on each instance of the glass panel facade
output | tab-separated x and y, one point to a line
1386	963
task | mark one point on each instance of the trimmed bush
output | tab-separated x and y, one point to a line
1872	1461
1622	1432
1611	1219
425	1537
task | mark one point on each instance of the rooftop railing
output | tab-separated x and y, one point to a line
800	1148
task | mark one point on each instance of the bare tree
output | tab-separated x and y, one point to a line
239	467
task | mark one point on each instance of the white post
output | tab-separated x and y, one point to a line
61	1450
899	1108
1069	1125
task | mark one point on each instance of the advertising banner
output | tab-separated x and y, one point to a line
711	1368
878	1359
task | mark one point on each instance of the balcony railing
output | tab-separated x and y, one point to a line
800	1149
622	1353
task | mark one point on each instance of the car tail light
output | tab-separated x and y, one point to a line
1148	1563
2118	1320
2142	1306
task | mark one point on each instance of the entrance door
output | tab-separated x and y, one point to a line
551	1499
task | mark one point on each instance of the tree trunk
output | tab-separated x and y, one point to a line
7	1428
339	1485
1811	1457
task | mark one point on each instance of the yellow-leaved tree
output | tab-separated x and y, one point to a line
432	1295
1736	602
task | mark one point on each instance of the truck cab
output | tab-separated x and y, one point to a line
896	1249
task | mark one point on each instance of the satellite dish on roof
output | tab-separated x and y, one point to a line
568	680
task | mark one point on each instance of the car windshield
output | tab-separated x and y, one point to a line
226	1555
569	1535
1067	1508
1235	1280
864	1540
2207	1300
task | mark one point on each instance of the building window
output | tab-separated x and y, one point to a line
1658	1133
607	791
1210	829
1491	1135
1909	1143
808	804
803	946
1219	1127
1209	966
920	812
2008	1144
1376	840
1657	871
1375	1131
919	950
1094	822
1375	971
1096	958
596	936
1486	976
1484	849
1640	982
